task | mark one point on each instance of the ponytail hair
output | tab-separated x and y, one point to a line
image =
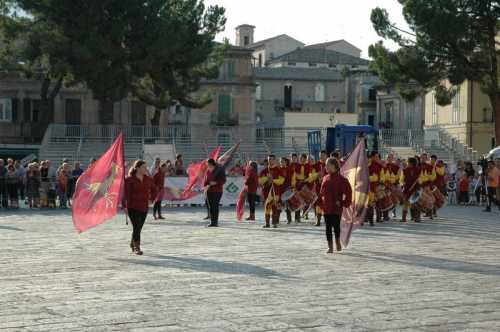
137	165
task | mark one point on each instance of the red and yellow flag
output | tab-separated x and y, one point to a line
355	169
98	191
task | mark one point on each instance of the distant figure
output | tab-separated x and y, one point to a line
179	165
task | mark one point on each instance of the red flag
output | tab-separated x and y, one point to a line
99	189
355	169
240	205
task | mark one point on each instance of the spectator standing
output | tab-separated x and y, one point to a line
3	185
12	184
155	167
33	185
44	184
493	176
73	178
62	185
179	165
21	179
463	190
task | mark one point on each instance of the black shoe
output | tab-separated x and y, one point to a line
487	210
212	225
206	218
371	223
266	226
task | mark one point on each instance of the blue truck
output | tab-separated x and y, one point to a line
342	138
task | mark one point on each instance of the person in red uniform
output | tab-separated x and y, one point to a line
287	173
214	181
159	180
428	176
319	171
375	178
411	180
392	175
302	170
139	191
271	179
251	183
335	194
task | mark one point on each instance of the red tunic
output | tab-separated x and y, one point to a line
287	173
159	180
219	176
251	180
335	194
411	175
302	172
275	174
374	171
138	193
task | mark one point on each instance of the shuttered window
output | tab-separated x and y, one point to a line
224	109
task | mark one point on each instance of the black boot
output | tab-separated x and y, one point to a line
330	247
289	216
318	221
297	216
268	219
137	248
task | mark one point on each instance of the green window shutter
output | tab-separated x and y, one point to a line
14	109
224	106
231	69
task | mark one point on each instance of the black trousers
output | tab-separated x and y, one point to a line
213	199
251	198
157	209
492	196
3	193
137	218
332	221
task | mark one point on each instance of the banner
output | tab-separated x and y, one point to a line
230	195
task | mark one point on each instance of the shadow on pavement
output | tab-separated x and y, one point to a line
9	228
205	265
431	262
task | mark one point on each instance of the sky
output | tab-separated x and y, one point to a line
309	21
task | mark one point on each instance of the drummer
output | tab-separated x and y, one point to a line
287	173
300	178
271	179
439	182
392	176
374	171
318	172
429	176
411	180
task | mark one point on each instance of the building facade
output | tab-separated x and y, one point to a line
469	118
394	112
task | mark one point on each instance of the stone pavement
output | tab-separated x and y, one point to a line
436	276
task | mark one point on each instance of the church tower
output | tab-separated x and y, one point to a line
244	35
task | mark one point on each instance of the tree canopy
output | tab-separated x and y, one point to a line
447	41
156	50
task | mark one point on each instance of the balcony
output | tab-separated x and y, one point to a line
223	120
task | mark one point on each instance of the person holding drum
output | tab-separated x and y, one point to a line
302	170
375	177
393	174
439	184
335	194
429	174
287	172
318	172
271	179
411	180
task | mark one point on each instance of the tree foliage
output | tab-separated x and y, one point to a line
448	41
156	50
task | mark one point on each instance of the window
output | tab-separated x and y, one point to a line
292	64
260	60
246	41
319	92
5	110
107	112
409	114
73	111
332	65
258	92
231	71
372	95
288	96
371	120
271	55
456	106
223	139
35	112
434	110
224	107
178	109
258	118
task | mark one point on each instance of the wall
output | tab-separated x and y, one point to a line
278	46
318	120
346	48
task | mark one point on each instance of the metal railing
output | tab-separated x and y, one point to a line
455	147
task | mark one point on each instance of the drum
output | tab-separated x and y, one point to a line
396	195
440	199
422	200
292	200
384	201
308	196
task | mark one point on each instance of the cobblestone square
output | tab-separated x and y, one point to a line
441	275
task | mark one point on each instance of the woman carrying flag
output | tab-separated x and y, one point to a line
139	191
